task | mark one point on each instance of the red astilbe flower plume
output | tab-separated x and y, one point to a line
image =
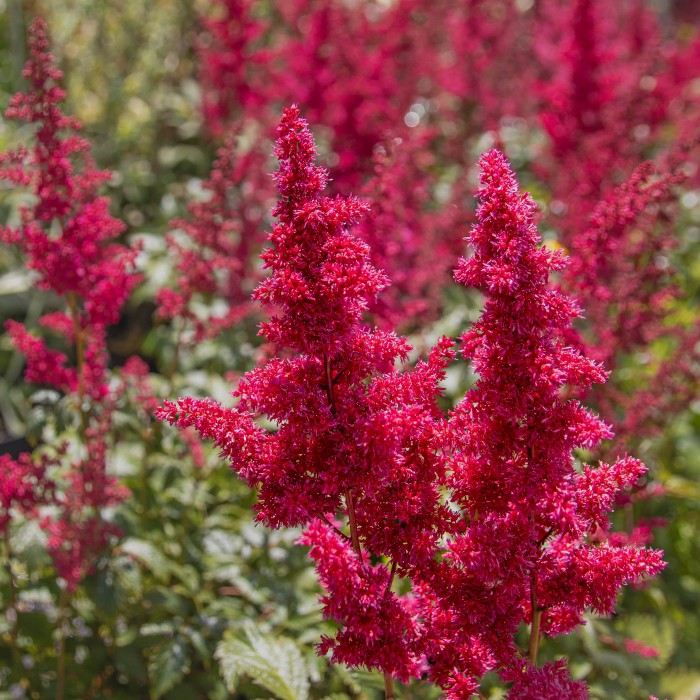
611	101
355	440
70	241
622	275
221	236
352	71
232	62
25	485
524	555
68	235
409	238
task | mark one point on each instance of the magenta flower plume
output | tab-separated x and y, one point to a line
321	275
414	243
356	455
25	486
524	555
215	260
622	275
70	241
78	258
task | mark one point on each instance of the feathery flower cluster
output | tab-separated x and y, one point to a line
215	260
359	74
357	89
623	277
68	235
363	458
407	238
524	554
25	486
69	240
601	78
600	109
354	437
612	101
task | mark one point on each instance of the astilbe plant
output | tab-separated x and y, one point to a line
333	394
70	243
357	73
484	516
349	68
613	101
608	88
409	237
215	252
599	107
525	553
623	276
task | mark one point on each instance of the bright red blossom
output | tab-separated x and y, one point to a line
524	551
70	241
485	515
25	485
355	438
214	261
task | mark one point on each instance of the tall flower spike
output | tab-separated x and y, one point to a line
356	457
70	240
321	275
523	556
79	259
215	259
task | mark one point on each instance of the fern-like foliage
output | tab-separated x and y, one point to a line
274	663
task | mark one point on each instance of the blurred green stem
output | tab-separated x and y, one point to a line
63	603
12	613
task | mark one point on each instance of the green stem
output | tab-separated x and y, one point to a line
12	606
61	654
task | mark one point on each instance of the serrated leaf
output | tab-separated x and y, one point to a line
197	640
275	663
149	555
168	666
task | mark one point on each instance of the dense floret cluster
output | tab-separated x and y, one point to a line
358	445
456	497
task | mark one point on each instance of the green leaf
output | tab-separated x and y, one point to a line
197	640
168	666
681	683
188	575
275	663
129	661
158	629
128	574
149	555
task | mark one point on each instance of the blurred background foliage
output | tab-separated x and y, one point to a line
130	75
198	602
